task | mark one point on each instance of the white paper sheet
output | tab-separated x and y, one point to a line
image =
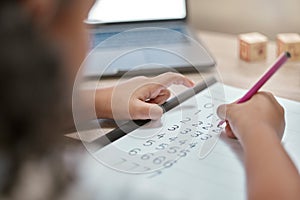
152	162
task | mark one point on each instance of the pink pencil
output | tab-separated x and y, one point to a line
277	64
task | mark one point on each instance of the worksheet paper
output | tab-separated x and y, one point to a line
183	156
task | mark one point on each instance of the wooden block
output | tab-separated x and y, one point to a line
253	46
289	42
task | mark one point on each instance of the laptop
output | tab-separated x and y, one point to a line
142	37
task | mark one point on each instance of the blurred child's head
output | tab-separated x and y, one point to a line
61	23
43	43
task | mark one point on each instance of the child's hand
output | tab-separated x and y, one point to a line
139	97
247	119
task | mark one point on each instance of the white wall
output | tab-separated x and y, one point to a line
237	16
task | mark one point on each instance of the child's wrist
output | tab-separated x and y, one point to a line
259	133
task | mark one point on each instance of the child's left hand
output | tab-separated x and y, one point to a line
138	98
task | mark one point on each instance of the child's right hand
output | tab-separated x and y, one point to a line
261	112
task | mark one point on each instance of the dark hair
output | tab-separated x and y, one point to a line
31	101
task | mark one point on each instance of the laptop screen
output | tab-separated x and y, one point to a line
114	11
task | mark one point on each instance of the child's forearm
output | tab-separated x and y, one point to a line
103	103
270	172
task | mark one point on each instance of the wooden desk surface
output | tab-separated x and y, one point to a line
235	72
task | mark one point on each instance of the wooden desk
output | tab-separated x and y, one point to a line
235	72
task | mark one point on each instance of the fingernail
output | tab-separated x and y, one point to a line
193	83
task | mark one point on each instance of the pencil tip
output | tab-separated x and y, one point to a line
288	54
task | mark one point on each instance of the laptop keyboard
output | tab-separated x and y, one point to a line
138	38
